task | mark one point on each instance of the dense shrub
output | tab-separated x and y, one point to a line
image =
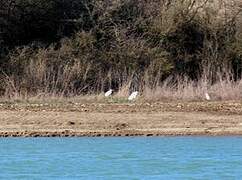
23	21
81	46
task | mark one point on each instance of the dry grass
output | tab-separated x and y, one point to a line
186	90
172	89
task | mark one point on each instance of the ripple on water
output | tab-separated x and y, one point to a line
121	158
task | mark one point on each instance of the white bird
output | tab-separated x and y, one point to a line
133	95
208	98
108	93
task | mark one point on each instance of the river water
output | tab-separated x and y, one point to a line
121	158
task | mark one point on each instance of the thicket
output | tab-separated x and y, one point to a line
70	47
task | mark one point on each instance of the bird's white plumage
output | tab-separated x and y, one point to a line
108	93
208	98
133	95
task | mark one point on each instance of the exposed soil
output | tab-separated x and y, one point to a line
134	119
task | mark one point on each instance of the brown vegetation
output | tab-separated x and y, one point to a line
165	49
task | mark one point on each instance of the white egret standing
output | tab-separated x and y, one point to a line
108	93
133	95
208	98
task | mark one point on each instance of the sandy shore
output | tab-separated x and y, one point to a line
143	119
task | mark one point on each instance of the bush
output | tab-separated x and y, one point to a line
81	46
24	21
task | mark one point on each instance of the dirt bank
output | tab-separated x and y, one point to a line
144	119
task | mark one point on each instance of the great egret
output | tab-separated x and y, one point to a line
108	93
133	95
208	98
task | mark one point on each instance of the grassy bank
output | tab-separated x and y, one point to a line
181	90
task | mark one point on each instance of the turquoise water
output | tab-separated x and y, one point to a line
121	158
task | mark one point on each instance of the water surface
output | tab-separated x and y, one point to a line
121	158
